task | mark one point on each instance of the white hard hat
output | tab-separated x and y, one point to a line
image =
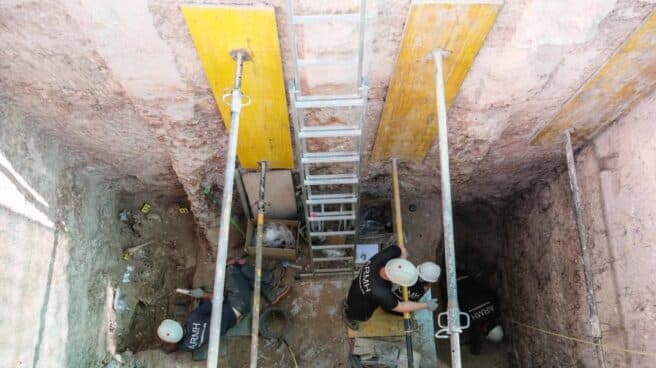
429	271
170	331
495	334
401	271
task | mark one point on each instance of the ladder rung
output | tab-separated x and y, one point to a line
334	179
328	18
329	131
340	246
329	157
329	101
329	259
341	272
330	213
325	97
332	233
333	270
331	199
331	195
331	218
326	62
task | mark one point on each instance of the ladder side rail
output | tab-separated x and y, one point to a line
364	90
363	19
292	34
299	155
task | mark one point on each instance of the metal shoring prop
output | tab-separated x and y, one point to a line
585	257
255	326
453	310
226	206
401	243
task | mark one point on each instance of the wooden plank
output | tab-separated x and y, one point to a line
278	193
380	324
409	122
627	77
264	126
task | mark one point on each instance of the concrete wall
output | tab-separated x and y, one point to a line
56	252
545	285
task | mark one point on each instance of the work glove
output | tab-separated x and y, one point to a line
431	305
197	293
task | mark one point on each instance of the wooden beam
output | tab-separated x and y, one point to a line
381	323
216	30
409	122
627	76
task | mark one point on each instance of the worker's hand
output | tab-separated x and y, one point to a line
197	293
431	305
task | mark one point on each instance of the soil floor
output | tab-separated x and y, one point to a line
492	355
166	261
317	335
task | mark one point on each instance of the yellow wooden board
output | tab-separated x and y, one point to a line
409	122
264	125
625	78
380	324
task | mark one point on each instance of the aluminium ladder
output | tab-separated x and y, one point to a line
329	178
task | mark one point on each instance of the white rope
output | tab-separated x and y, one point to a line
582	341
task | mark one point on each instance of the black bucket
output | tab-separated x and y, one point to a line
274	323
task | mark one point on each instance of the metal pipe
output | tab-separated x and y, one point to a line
400	240
585	257
453	310
300	146
255	326
226	207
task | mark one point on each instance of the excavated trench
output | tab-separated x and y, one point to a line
525	251
96	122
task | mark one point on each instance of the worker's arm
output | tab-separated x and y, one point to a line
404	307
199	293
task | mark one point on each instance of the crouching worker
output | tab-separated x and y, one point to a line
483	308
429	273
236	305
372	288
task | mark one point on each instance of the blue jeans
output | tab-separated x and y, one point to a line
239	286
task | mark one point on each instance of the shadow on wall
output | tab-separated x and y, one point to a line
25	294
56	258
479	240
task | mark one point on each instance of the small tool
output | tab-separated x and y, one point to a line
127	252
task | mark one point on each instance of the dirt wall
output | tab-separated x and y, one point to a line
545	285
59	252
51	215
